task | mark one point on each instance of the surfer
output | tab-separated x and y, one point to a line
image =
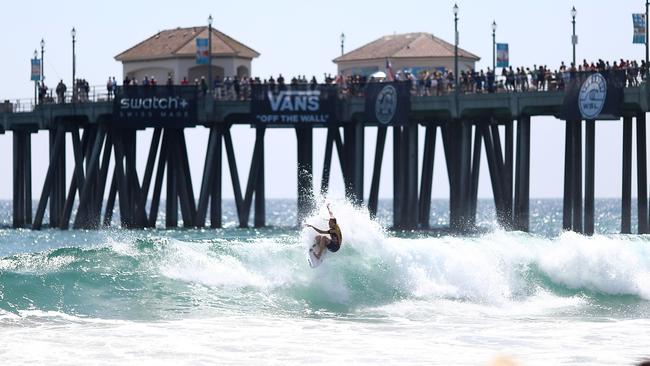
333	243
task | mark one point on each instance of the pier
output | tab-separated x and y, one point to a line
102	135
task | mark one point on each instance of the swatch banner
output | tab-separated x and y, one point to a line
638	21
388	103
202	52
155	106
291	105
503	57
593	95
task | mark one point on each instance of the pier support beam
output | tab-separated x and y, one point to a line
476	166
305	172
48	193
399	178
353	162
642	173
405	176
426	183
626	199
572	207
212	180
171	202
208	181
522	184
567	202
91	193
260	194
493	160
215	190
459	147
577	176
508	169
590	133
22	185
57	198
373	198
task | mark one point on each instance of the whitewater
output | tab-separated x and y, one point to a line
248	296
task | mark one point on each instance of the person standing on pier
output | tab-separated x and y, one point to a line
60	92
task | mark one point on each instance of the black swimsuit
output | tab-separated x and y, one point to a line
334	245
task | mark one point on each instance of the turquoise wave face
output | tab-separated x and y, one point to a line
125	274
136	275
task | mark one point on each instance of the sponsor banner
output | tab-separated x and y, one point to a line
36	70
638	21
503	56
303	105
594	95
202	52
388	103
155	106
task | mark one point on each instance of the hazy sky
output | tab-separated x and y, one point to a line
302	37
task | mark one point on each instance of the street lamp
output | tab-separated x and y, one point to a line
647	4
494	46
35	82
574	39
456	48
73	33
342	42
42	59
209	53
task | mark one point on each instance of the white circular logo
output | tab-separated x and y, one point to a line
386	104
591	99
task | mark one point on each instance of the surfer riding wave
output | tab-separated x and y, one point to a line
333	242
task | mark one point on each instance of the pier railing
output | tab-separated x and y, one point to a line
96	93
245	91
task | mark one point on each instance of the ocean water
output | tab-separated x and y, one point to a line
248	296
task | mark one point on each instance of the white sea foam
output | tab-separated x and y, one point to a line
496	268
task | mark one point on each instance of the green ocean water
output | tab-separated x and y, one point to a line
539	297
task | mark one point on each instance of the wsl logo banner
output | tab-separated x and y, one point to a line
153	106
388	103
270	105
591	96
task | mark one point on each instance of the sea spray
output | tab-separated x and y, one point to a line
153	275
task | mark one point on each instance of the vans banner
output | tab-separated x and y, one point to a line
277	105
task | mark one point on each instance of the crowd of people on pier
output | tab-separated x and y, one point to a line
425	83
80	93
436	83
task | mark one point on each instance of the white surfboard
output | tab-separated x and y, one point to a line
311	257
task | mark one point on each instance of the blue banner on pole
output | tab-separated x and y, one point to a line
639	21
202	52
502	55
36	70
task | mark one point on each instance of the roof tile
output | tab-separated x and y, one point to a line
406	45
180	42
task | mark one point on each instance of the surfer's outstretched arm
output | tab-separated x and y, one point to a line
317	229
330	211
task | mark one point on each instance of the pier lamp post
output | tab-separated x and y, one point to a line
342	42
494	46
42	59
73	33
35	82
210	53
647	4
456	48
574	38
